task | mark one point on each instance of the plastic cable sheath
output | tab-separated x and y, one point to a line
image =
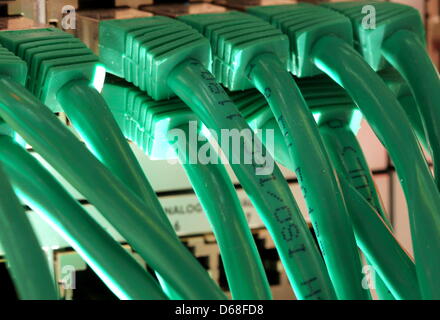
269	192
45	195
387	118
60	148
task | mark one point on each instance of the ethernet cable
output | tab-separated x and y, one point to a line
399	39
16	234
327	47
44	194
66	154
249	52
165	57
361	197
151	126
22	249
406	99
64	74
327	101
209	181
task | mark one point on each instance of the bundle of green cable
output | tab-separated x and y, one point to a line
165	57
151	125
127	212
339	122
17	237
43	193
64	74
22	249
321	41
398	38
329	102
248	52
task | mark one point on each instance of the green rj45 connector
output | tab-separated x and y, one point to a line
304	24
145	50
236	39
389	18
336	57
54	58
398	38
145	121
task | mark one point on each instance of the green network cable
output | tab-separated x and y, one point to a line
406	99
249	52
329	49
66	154
16	235
337	123
149	125
165	57
325	99
22	249
63	75
243	267
43	193
399	39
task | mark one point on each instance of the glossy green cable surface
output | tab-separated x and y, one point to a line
367	223
45	195
90	115
315	173
243	267
27	263
66	154
408	55
269	192
408	103
387	118
382	249
347	156
384	252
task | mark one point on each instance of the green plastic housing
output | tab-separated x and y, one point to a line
304	24
145	121
13	67
323	96
145	50
390	17
53	58
236	38
252	106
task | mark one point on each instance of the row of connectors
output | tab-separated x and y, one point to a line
143	120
